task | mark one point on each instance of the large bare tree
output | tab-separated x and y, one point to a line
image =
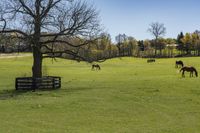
157	30
120	39
44	24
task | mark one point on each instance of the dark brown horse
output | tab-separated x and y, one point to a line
179	64
96	67
189	69
151	60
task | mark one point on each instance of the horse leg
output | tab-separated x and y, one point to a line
183	74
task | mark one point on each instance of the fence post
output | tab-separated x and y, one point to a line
33	83
25	83
16	83
53	80
59	79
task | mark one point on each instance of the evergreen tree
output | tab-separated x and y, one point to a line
180	42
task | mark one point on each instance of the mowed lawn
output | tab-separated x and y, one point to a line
126	96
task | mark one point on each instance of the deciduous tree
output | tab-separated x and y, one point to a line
157	30
42	24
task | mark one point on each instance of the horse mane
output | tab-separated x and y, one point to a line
182	69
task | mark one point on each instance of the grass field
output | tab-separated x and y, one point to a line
126	96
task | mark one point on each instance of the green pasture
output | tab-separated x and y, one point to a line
126	96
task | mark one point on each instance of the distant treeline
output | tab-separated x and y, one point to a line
184	45
103	48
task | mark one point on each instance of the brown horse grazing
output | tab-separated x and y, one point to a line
189	69
151	60
96	66
179	64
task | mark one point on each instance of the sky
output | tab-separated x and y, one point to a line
133	17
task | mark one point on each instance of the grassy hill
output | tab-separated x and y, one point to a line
126	96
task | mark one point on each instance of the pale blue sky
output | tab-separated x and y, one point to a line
133	17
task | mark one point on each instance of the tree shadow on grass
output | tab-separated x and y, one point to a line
12	94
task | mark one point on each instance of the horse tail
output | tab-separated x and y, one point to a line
196	73
99	67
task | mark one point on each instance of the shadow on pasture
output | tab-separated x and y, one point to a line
13	94
10	94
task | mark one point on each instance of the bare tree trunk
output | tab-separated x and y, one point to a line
161	52
37	64
37	55
198	52
119	49
109	53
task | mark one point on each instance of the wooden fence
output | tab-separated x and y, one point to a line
29	83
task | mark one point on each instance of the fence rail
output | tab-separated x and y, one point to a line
29	83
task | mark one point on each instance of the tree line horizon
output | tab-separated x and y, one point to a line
187	44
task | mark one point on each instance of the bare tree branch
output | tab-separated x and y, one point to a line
26	8
51	27
157	29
